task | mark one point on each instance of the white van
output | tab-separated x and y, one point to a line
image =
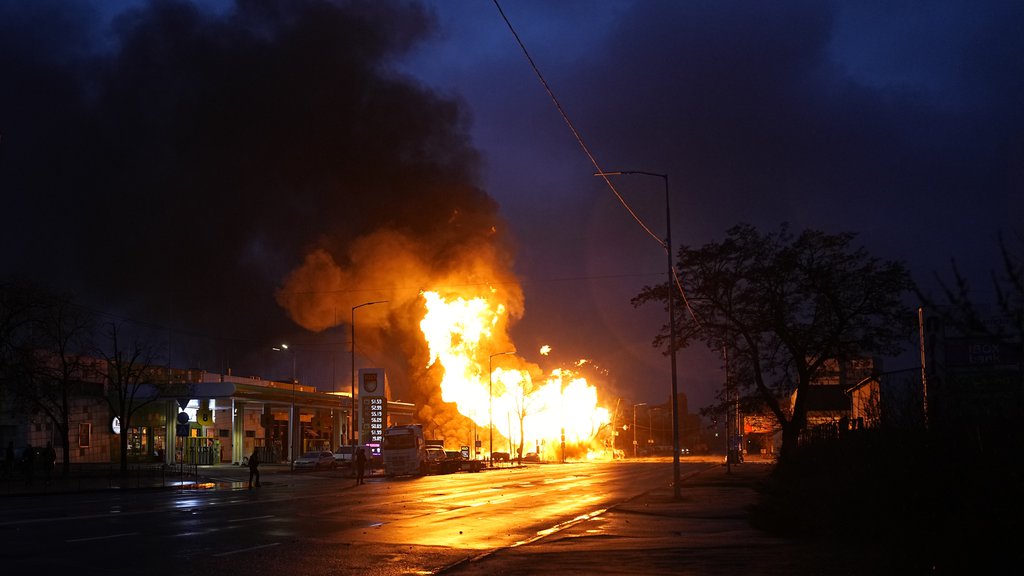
343	455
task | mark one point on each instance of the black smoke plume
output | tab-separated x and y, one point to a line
239	177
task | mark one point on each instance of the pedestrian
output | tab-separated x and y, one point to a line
9	460
360	464
28	458
254	468
49	461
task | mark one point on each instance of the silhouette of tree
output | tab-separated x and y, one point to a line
782	305
46	365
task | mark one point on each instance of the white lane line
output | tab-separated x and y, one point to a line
539	535
560	527
249	549
107	537
251	518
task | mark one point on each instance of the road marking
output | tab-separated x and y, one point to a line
251	518
541	534
65	518
90	539
249	549
560	527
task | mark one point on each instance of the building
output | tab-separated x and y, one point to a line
842	396
972	391
197	417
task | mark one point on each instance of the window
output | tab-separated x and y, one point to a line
400	441
84	435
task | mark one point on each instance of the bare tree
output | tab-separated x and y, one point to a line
132	379
520	410
46	366
783	305
17	302
958	303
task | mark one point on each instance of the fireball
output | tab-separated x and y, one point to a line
557	416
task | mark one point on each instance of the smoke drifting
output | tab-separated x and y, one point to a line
227	174
392	268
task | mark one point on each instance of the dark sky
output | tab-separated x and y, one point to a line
178	167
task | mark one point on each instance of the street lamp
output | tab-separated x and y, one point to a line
352	400
490	404
634	425
671	321
292	417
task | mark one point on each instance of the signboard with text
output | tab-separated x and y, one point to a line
373	417
373	408
986	353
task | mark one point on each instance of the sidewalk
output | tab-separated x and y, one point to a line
98	477
705	532
91	478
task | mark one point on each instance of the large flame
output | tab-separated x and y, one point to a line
492	386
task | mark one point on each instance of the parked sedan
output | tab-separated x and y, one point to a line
457	462
315	460
433	460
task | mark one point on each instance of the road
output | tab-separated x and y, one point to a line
317	522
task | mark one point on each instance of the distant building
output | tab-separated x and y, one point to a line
842	396
217	419
845	395
973	387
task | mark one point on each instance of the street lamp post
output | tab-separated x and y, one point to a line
634	425
352	399
490	405
671	321
292	417
650	430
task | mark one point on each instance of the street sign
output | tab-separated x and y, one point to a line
204	416
182	428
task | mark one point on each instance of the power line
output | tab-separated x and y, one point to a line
593	160
575	133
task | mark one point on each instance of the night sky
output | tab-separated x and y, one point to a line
192	170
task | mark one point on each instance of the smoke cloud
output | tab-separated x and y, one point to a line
228	175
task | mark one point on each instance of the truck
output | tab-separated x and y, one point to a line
404	450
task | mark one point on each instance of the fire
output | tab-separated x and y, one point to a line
489	384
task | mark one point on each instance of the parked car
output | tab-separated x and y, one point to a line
500	457
456	462
433	460
343	455
531	457
315	460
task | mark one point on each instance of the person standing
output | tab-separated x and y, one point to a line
9	460
28	457
254	467
360	457
49	461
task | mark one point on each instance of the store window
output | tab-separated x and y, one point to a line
84	435
138	441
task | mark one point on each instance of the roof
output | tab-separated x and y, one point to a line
826	399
